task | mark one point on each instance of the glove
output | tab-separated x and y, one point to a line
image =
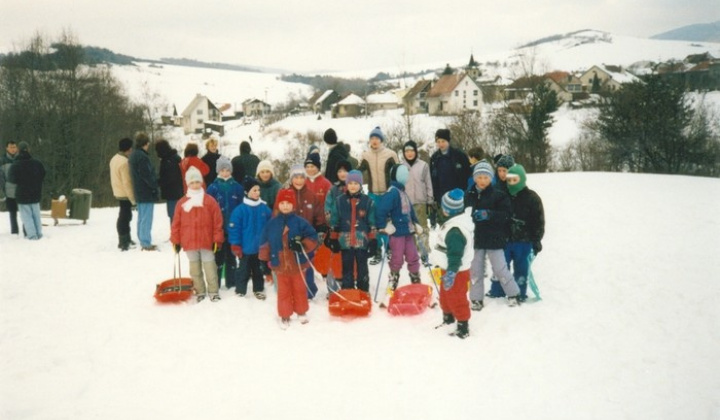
216	246
296	244
389	228
480	215
177	248
537	247
448	280
418	229
332	242
237	250
372	247
432	214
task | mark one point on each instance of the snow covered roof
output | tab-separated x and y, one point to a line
352	99
324	96
382	98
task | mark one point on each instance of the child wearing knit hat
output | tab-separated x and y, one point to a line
229	194
454	255
269	186
197	228
491	211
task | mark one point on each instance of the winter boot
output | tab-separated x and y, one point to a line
476	305
514	301
496	290
414	278
448	319
125	242
462	330
210	269
522	284
197	278
393	279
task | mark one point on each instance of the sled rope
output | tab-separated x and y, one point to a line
315	270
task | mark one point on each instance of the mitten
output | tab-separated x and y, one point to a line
177	248
237	250
480	215
295	244
418	229
448	280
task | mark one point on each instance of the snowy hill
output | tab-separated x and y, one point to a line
627	328
704	32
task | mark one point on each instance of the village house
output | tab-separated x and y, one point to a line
255	107
325	101
350	106
199	110
453	94
382	102
567	86
605	78
415	100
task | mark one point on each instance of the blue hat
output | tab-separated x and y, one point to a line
399	173
453	202
505	161
483	168
377	132
354	176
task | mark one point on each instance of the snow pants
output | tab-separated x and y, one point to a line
225	259
350	259
249	269
519	253
291	295
455	301
403	247
30	216
500	271
203	260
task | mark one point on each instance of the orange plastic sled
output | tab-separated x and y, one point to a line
411	299
350	302
176	289
326	261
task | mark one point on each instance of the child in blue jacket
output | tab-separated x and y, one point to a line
228	194
246	225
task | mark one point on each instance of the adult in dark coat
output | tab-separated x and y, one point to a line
27	173
210	158
145	185
170	178
449	168
338	153
245	164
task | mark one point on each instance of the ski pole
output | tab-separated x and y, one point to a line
424	250
382	264
531	278
315	271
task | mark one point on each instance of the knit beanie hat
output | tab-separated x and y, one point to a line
223	163
410	145
265	165
399	173
313	149
483	168
192	175
442	133
516	170
248	183
377	132
313	159
344	164
245	148
354	176
505	161
286	195
453	202
330	137
297	170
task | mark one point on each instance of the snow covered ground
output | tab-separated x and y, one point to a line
627	328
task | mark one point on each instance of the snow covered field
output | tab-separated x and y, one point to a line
628	327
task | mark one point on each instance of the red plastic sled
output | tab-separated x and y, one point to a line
350	302
411	299
177	289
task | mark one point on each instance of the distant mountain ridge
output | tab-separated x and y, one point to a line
701	32
583	36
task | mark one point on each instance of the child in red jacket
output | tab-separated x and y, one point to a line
198	229
284	242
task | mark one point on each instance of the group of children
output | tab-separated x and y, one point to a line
313	221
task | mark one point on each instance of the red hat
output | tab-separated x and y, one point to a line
287	195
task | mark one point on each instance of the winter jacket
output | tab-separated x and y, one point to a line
120	180
308	207
353	220
274	243
195	161
244	165
7	188
454	247
269	191
247	223
199	228
337	154
210	160
320	186
170	179
330	199
27	173
528	217
396	206
419	185
375	165
143	177
494	232
228	194
498	184
448	171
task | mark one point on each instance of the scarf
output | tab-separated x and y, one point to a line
196	198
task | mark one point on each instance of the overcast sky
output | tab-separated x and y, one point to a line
314	35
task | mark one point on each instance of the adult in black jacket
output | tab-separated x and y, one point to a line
146	189
449	167
210	158
491	211
170	178
27	173
245	164
337	154
527	226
